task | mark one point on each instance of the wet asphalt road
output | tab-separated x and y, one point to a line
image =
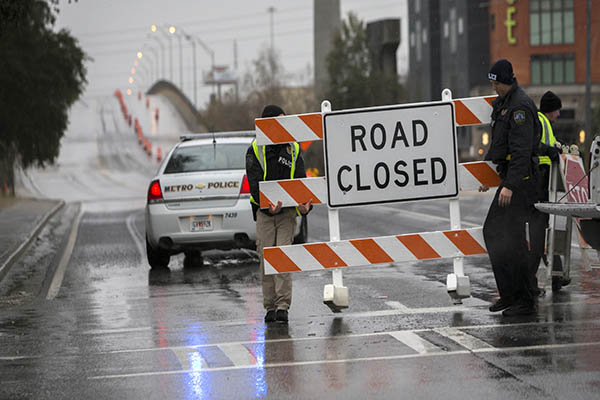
112	329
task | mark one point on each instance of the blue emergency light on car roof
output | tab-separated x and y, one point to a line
215	135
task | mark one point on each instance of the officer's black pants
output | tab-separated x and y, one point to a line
505	239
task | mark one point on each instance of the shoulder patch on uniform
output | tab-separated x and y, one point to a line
519	116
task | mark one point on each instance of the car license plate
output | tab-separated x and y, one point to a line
201	224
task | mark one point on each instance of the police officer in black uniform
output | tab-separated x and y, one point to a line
515	135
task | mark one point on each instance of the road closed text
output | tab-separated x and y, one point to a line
390	155
404	171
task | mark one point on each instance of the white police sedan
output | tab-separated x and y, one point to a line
200	200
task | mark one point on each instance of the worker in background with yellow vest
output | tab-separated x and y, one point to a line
276	225
550	106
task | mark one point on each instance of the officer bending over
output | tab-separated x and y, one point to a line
515	135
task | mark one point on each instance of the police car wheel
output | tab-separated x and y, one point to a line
193	259
157	258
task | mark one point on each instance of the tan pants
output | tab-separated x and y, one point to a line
275	230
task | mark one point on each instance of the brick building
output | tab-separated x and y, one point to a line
452	43
545	40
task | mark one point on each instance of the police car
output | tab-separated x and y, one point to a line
200	200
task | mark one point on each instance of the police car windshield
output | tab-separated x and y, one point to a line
208	157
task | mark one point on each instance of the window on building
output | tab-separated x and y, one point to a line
552	69
550	22
492	22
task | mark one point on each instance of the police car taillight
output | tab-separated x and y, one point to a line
154	192
245	186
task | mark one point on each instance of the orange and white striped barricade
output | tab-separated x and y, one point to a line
310	127
468	111
377	250
292	192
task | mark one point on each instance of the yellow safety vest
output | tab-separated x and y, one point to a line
547	137
262	150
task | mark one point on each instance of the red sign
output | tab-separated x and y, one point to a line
575	180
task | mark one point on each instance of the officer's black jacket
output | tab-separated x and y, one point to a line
279	164
516	134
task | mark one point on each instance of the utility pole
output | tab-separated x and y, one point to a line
271	10
588	72
235	67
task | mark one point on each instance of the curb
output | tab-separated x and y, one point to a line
5	267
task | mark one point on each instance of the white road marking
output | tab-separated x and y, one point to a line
352	360
464	339
415	342
396	305
190	358
136	236
405	310
64	260
14	358
239	354
116	330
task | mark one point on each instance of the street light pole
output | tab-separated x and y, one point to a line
191	40
212	59
170	52
155	71
588	66
271	10
180	63
162	53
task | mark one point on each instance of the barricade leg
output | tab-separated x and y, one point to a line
552	223
335	295
457	284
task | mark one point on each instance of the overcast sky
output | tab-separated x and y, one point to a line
112	31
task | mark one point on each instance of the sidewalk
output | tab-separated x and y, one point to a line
21	219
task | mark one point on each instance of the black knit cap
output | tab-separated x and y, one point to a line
550	102
502	72
272	111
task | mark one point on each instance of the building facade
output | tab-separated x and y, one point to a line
449	47
452	43
424	62
545	40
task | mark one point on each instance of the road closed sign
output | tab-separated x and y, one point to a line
394	154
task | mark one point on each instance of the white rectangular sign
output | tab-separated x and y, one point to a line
391	154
